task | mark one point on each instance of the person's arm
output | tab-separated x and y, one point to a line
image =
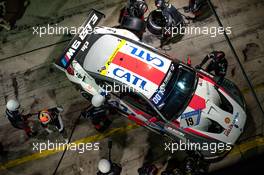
61	127
206	58
46	128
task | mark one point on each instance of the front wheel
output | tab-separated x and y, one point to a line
156	22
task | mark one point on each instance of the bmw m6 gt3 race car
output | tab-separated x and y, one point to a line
161	94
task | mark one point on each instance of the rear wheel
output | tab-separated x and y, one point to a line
156	22
133	24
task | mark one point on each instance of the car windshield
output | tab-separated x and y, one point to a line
178	92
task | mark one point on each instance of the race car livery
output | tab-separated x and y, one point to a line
161	94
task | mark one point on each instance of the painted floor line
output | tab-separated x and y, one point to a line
241	148
258	87
46	153
248	145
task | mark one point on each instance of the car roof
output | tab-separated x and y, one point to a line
128	62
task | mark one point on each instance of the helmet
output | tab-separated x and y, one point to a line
98	100
157	20
104	166
44	117
219	55
159	3
142	6
12	105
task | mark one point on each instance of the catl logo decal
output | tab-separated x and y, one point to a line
129	78
147	56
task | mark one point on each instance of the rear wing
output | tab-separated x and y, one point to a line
79	41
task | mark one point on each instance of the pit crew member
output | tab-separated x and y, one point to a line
16	118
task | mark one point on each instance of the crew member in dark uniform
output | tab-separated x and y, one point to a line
132	17
99	117
16	118
194	5
218	64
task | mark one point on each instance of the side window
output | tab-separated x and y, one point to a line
139	102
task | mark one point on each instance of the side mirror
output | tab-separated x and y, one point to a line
98	100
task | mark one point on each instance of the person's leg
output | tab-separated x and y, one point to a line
25	126
28	131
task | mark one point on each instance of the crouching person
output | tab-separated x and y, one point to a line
52	117
99	117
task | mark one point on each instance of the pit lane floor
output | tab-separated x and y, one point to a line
140	153
37	84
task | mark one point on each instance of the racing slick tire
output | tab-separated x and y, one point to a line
155	22
133	24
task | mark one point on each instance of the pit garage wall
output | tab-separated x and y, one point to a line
37	84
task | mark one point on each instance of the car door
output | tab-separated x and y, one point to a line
142	112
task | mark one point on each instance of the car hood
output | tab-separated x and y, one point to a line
212	107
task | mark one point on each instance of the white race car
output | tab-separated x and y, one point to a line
165	96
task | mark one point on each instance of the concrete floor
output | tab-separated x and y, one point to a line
37	84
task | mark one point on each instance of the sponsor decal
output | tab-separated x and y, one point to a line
139	67
158	97
227	120
156	126
175	131
233	124
190	119
88	28
144	55
77	43
130	78
85	46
